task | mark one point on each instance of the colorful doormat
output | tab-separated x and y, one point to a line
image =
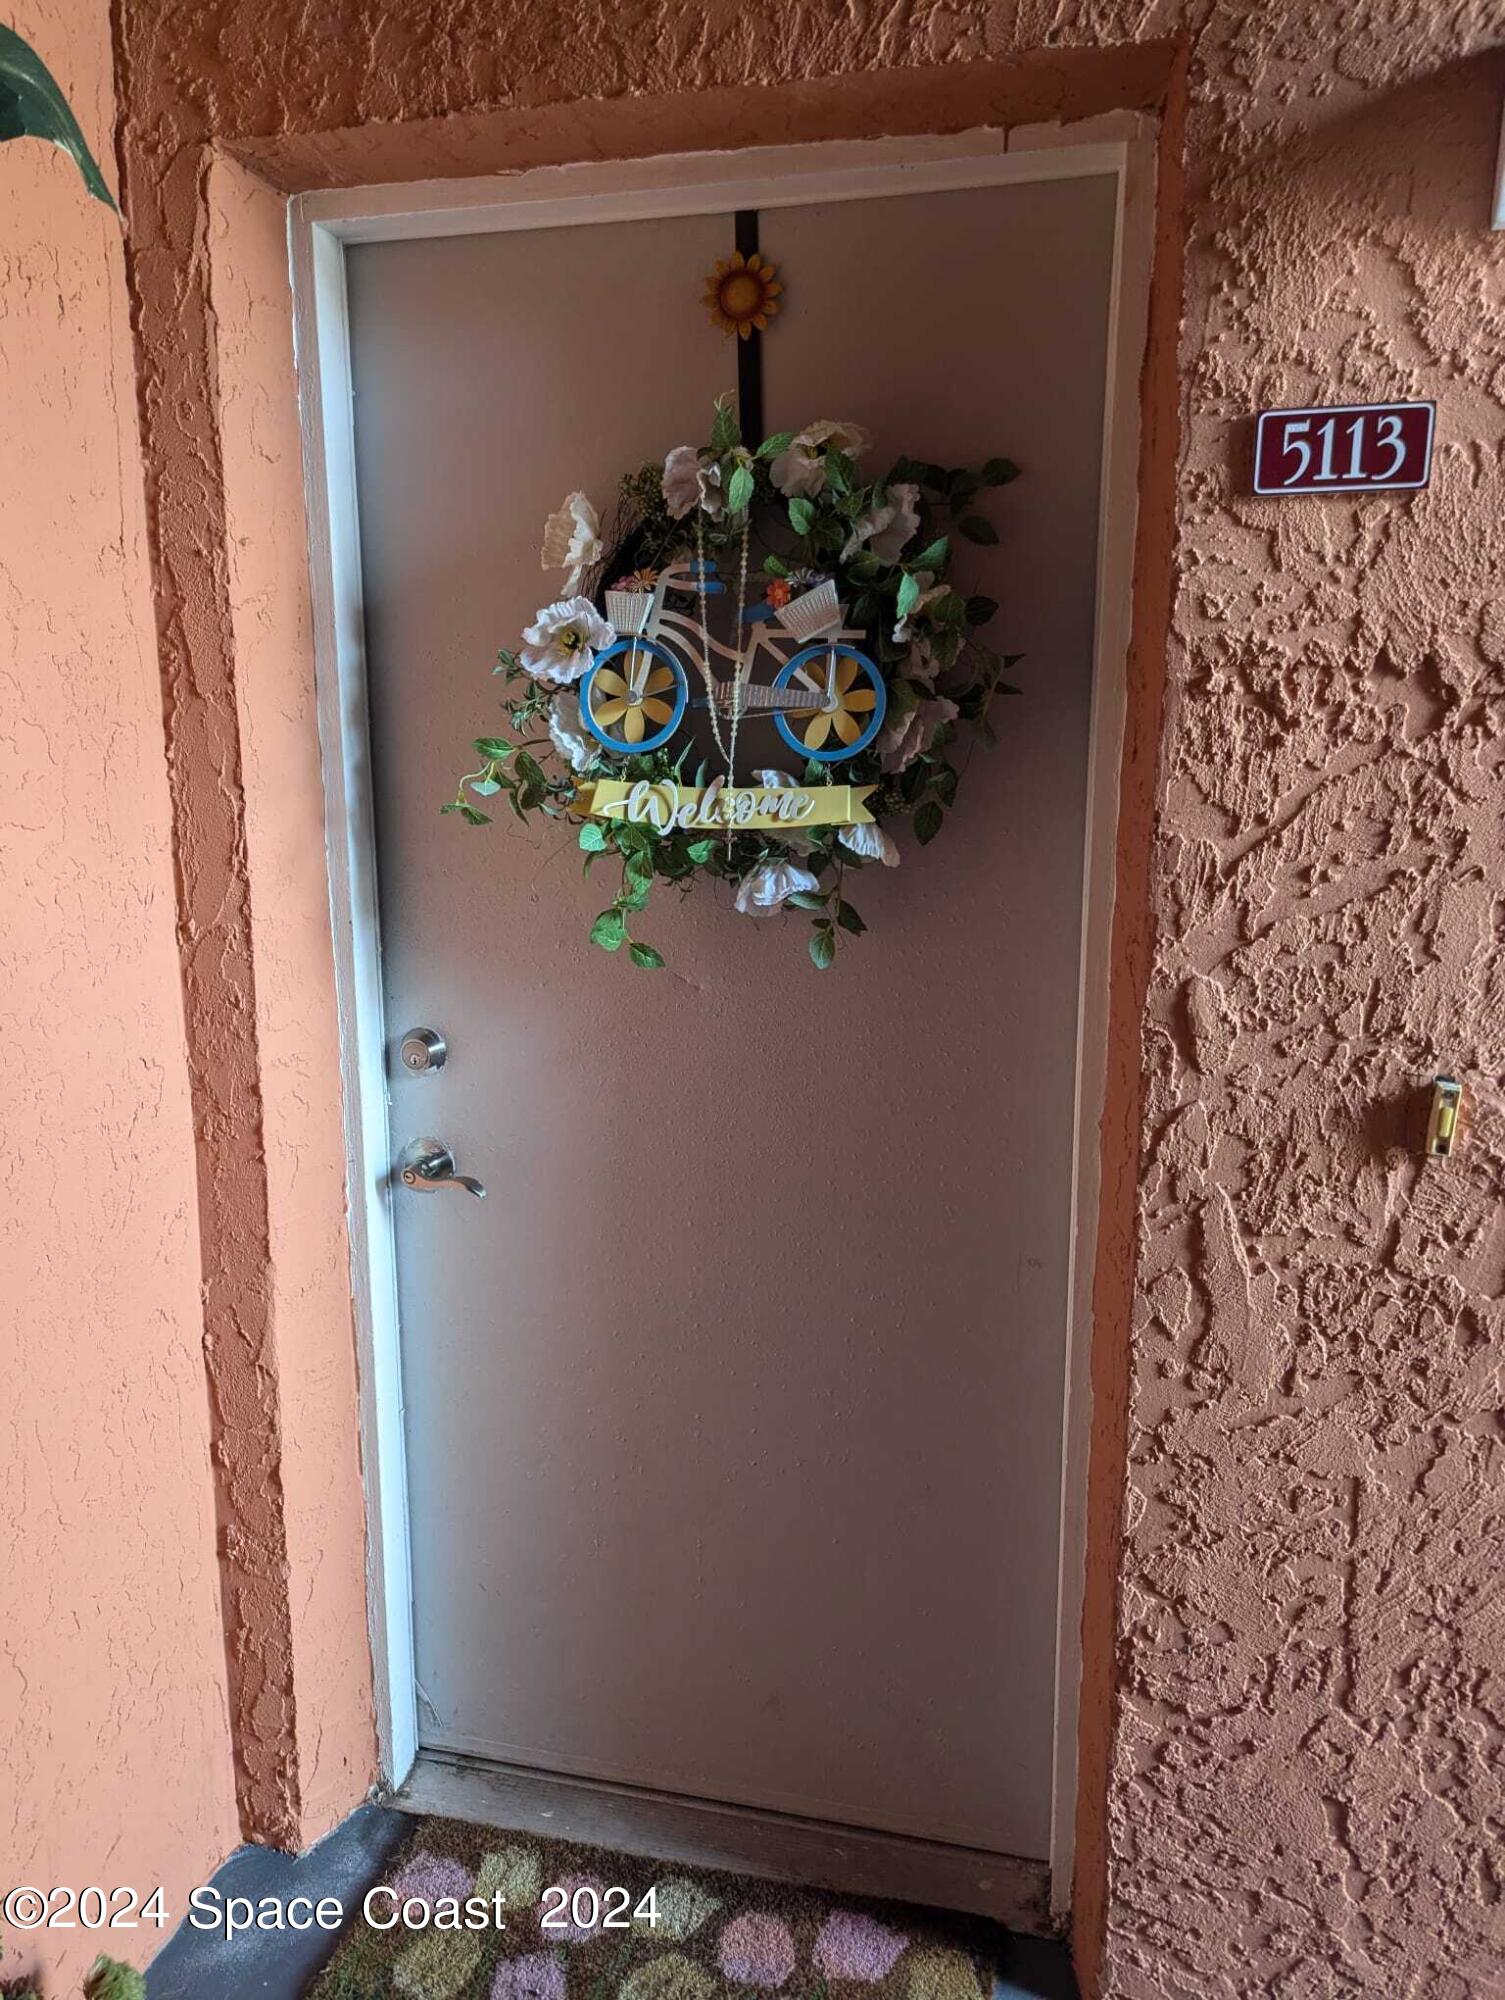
580	1923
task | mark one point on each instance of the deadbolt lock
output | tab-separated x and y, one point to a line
423	1050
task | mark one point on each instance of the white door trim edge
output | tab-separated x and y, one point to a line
320	225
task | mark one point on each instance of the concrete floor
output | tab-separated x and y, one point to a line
279	1965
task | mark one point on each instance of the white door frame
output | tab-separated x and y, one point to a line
320	225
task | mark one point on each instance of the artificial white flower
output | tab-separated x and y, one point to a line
569	734
802	470
689	483
920	663
904	740
770	885
563	640
885	530
572	540
870	843
774	781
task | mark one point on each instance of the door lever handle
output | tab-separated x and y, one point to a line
427	1165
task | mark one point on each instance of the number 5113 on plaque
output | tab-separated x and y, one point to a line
1351	448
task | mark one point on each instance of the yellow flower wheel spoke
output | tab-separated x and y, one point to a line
610	711
611	680
632	725
846	726
859	701
846	672
818	731
658	680
657	711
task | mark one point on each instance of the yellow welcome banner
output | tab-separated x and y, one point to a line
668	807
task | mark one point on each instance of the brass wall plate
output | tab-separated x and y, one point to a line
1442	1126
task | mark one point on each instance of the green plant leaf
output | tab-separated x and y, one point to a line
485	788
108	1979
609	930
822	945
999	471
848	918
700	851
977	528
806	899
645	956
32	106
739	489
981	609
909	593
593	837
725	430
495	747
933	556
772	446
801	515
927	822
840	472
775	566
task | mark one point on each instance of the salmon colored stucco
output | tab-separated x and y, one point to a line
115	1762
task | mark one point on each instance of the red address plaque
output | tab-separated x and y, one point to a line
1353	448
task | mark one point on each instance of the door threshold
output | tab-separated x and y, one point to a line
701	1833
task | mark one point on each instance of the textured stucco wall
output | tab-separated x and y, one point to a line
114	1745
297	1036
1305	1635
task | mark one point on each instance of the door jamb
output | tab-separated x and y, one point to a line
320	226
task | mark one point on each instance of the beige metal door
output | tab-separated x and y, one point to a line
733	1417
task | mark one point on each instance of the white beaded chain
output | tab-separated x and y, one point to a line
739	672
704	662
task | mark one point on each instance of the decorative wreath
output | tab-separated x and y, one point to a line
630	719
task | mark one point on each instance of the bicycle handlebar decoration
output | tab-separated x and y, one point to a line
842	684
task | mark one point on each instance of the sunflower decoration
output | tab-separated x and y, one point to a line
743	293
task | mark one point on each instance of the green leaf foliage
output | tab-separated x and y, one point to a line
999	471
801	515
909	594
32	106
822	945
977	528
772	446
592	837
726	432
932	555
927	822
739	489
108	1979
645	956
609	930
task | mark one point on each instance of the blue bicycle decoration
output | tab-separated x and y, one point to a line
826	697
